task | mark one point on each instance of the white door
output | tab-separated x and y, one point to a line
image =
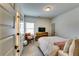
53	29
7	30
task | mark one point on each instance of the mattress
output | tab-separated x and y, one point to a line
46	44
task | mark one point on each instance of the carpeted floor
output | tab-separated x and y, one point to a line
32	50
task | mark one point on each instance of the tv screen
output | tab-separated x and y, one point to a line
41	29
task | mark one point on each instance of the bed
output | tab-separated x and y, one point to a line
46	44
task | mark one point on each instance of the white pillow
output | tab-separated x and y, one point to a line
67	45
74	48
71	49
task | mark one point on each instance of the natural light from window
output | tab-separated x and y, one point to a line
22	27
30	28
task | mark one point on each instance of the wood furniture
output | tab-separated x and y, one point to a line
40	34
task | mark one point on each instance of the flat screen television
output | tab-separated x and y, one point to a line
41	29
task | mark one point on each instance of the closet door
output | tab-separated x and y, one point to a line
7	30
53	29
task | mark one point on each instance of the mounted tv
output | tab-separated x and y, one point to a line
41	29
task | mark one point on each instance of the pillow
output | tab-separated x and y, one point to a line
74	48
67	46
60	44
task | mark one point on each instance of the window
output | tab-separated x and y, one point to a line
30	28
22	27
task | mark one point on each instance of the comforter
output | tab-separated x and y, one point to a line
46	44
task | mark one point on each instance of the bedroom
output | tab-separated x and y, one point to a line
64	22
40	29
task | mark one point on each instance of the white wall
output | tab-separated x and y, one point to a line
40	22
67	24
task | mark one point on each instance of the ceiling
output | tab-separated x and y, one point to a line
36	9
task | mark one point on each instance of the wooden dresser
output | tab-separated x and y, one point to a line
40	34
